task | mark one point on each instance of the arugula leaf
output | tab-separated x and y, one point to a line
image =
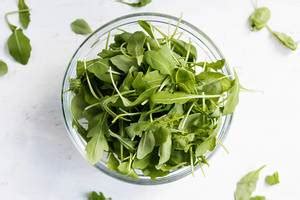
98	144
247	184
3	68
146	145
139	3
142	163
112	162
130	145
272	179
213	82
125	169
207	145
80	26
217	65
123	62
19	46
165	146
24	17
135	46
147	27
97	196
285	40
259	18
233	97
258	198
181	47
161	60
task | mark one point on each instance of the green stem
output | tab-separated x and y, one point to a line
12	27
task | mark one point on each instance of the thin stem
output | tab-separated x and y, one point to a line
89	82
123	115
107	40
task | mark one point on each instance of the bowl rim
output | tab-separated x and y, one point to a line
225	125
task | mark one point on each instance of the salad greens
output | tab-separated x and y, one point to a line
80	26
3	68
139	3
273	179
147	105
97	196
24	17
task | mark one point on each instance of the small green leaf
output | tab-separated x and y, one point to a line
112	162
80	26
24	17
181	47
126	169
186	80
3	68
19	46
97	196
146	145
139	3
147	27
207	145
217	65
286	40
142	163
135	46
165	146
123	62
233	97
258	198
129	144
272	179
259	18
247	184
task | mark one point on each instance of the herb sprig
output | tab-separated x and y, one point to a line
147	107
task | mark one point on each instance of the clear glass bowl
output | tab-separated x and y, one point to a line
207	50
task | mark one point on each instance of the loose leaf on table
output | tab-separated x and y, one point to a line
3	68
139	3
165	97
286	40
259	18
161	60
19	46
97	196
233	96
80	26
272	179
24	16
135	46
98	144
146	145
258	198
247	184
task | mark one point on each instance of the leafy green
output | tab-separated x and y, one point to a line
259	18
146	105
24	17
272	179
3	68
247	184
286	40
97	196
139	3
258	198
19	46
80	26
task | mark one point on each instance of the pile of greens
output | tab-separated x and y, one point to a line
150	104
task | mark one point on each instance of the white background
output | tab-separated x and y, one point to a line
37	159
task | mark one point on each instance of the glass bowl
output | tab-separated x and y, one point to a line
207	50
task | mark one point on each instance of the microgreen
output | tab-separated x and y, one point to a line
146	109
80	26
272	179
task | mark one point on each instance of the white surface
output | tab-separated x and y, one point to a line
38	160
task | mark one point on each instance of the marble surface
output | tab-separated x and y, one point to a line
38	160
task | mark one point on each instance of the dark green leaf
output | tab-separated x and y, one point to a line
24	16
3	68
129	144
147	27
19	46
80	26
182	48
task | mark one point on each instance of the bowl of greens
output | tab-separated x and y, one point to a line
148	98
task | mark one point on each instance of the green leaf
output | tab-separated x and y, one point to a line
112	162
186	80
182	48
259	18
125	169
272	179
139	3
135	46
80	26
142	163
147	27
3	68
286	40
258	198
19	46
233	97
98	144
213	82
97	196
24	17
165	146
129	144
146	145
123	62
205	146
161	60
154	173
165	97
137	129
247	184
217	65
107	53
